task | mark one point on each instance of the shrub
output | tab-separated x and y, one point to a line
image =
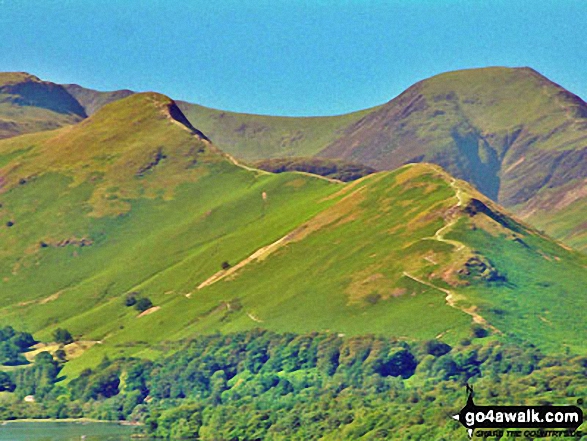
479	331
62	336
143	304
130	299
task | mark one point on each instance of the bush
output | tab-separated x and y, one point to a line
479	331
130	299
6	384
436	348
62	336
143	304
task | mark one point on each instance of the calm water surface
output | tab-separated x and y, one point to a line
65	431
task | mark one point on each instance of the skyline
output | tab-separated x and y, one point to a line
283	58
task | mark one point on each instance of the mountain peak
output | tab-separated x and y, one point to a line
17	77
145	106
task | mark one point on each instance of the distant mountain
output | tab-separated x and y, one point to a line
93	100
134	201
516	136
28	104
253	137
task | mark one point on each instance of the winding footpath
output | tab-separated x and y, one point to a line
451	297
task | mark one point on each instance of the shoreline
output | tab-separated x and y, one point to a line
69	420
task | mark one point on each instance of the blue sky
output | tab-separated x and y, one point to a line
293	57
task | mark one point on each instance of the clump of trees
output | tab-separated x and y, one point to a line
263	385
141	304
12	344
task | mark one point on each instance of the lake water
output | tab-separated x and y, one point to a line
64	431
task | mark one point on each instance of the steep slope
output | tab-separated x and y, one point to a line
132	201
93	100
515	135
412	253
28	104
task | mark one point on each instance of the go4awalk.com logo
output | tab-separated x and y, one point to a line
528	421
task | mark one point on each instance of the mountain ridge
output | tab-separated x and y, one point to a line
517	136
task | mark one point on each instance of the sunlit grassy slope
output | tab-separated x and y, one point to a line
134	199
251	137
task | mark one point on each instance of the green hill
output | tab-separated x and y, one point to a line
135	202
28	105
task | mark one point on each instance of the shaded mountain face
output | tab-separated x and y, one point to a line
28	104
134	201
510	132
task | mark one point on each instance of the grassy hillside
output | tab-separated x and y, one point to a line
136	201
252	137
28	105
513	134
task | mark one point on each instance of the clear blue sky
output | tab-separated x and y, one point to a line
289	57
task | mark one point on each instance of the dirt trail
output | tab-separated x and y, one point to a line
439	235
257	255
246	167
254	318
451	297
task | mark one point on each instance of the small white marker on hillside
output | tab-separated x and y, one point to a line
264	196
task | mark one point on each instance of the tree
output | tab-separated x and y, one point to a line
61	355
479	331
436	348
23	340
62	336
143	304
9	354
130	299
6	383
